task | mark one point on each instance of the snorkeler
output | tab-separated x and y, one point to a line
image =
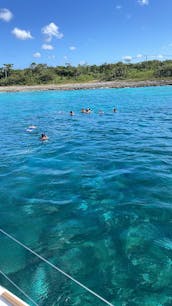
44	137
72	113
88	110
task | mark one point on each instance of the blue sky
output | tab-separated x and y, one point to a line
56	32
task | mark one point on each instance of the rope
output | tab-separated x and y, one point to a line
29	298
56	268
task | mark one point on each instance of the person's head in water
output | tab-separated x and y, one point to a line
114	110
44	137
88	110
72	113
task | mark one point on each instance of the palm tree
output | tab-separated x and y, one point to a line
7	68
1	73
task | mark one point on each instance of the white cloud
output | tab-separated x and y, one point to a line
139	56
5	14
118	7
83	63
127	58
37	55
160	57
21	34
47	47
72	48
51	30
143	2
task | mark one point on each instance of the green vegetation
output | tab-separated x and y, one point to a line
42	74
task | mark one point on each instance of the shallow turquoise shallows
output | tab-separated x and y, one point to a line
95	199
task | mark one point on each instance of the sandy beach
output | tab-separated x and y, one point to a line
88	85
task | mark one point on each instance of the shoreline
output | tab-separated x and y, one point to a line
87	85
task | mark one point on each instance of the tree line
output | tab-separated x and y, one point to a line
43	74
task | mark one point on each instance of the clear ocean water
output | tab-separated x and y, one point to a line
95	199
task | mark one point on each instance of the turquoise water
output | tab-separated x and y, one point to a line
95	199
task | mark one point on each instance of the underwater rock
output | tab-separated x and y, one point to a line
136	238
12	257
50	209
72	261
152	299
105	249
164	276
152	273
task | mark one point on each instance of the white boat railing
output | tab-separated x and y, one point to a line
54	267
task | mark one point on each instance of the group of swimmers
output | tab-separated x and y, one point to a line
88	111
83	110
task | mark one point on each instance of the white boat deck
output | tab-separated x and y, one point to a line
9	299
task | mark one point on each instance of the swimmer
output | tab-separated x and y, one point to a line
88	110
72	113
115	110
83	110
44	137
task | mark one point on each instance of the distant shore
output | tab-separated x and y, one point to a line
88	85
